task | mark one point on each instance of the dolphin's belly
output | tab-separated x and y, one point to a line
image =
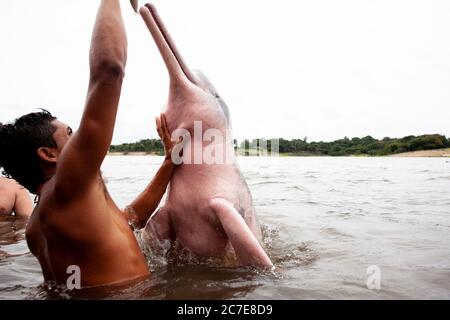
196	226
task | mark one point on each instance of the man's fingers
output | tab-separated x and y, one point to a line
158	127
164	125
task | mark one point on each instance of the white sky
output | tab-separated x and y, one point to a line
324	69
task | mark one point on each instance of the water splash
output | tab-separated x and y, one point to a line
286	255
161	254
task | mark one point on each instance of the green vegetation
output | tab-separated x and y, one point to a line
153	146
366	146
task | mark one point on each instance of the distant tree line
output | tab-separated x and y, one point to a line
342	147
148	146
365	146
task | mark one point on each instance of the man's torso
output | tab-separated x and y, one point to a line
89	232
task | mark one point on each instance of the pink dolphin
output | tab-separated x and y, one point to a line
209	209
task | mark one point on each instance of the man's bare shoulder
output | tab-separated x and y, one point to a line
88	206
6	183
8	190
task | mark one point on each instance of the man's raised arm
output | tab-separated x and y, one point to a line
81	158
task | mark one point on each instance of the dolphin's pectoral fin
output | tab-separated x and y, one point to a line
178	70
247	248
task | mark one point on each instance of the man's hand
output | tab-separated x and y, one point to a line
147	202
164	134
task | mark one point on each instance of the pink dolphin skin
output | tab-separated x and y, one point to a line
209	208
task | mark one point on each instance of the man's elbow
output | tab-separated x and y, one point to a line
107	70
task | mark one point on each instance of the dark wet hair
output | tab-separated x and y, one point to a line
19	142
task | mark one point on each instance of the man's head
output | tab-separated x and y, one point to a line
30	146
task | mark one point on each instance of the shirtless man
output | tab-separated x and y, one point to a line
14	198
75	222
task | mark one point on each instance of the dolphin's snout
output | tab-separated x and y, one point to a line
135	5
178	70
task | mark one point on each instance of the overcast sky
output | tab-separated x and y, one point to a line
322	69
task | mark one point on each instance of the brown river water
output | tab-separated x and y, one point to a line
325	222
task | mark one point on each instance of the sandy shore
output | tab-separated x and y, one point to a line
424	153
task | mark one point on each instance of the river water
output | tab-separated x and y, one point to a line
334	227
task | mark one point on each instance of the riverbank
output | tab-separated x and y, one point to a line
361	147
436	153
